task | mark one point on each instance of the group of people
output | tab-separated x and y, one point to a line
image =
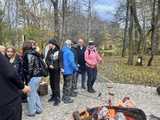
72	60
21	74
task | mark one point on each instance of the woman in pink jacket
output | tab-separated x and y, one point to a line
92	59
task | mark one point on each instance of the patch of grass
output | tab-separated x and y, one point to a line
116	69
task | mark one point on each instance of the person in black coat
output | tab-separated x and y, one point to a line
33	73
53	62
81	62
17	63
74	79
10	102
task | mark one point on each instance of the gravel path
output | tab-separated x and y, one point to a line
145	98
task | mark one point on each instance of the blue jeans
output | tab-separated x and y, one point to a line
92	76
34	104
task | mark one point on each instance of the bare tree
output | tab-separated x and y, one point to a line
56	18
125	30
130	34
155	34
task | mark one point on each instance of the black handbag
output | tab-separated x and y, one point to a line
43	68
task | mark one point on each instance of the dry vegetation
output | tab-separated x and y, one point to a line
116	69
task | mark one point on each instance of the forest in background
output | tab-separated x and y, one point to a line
132	33
43	19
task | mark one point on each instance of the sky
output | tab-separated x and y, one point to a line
105	8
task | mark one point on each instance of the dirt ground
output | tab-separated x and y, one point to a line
145	98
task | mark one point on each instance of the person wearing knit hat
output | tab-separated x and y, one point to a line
53	42
92	59
53	62
69	66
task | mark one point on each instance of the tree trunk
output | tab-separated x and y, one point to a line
154	35
138	26
56	18
125	31
144	29
1	41
130	34
64	26
89	19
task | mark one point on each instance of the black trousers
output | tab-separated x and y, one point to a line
55	82
83	77
92	76
13	111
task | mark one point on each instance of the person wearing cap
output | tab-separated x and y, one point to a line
68	68
92	59
53	62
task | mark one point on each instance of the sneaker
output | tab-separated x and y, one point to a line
38	112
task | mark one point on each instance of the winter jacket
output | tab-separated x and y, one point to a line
81	60
53	58
17	63
92	57
69	64
9	83
75	53
31	65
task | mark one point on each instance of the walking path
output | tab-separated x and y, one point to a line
145	98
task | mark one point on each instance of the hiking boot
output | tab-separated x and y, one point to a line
51	99
83	87
91	91
73	94
56	103
67	100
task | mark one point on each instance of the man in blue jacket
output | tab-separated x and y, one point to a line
68	66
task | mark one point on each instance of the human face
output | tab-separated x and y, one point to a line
2	50
34	45
81	42
51	46
10	52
